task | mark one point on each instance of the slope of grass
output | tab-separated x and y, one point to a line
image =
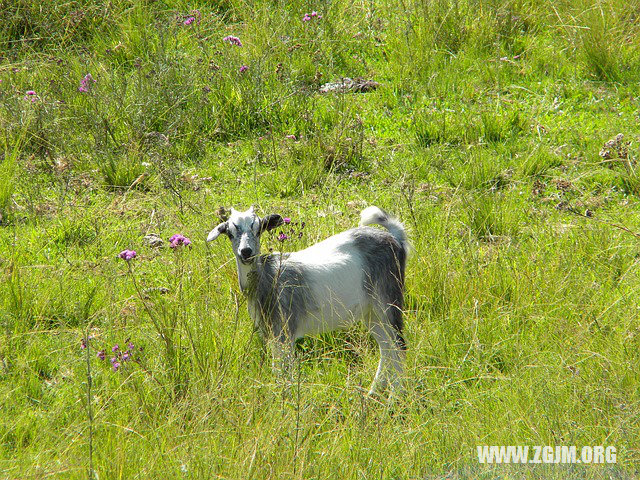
484	137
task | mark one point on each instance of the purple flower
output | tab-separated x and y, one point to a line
85	83
232	40
115	348
126	356
30	92
243	69
83	344
189	20
283	236
101	355
308	16
127	255
113	360
115	365
291	137
286	220
178	239
131	346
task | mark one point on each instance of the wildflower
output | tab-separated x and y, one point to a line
308	16
30	92
115	348
85	83
115	365
232	40
283	236
178	239
83	344
243	69
127	255
291	137
189	20
286	220
101	355
131	346
126	356
31	95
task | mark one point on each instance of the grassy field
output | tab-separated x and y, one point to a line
486	136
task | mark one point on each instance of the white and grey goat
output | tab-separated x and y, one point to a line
356	274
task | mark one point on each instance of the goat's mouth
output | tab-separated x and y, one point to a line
247	261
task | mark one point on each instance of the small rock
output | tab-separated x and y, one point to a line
153	240
349	85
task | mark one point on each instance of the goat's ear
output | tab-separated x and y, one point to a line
222	228
270	222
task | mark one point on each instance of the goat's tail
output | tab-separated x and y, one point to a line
378	216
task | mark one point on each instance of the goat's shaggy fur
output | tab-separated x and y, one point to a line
356	274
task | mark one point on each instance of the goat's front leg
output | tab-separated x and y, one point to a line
283	358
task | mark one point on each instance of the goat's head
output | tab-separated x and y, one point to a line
244	230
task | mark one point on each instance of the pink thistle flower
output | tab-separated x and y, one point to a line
30	92
232	40
314	14
306	17
283	236
127	255
85	83
243	69
189	20
286	220
178	240
290	137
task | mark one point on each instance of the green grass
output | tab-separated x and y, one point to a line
483	137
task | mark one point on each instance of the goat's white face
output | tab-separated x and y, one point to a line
244	229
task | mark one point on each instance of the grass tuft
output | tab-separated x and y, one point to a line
492	133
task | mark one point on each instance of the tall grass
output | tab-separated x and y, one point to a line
484	137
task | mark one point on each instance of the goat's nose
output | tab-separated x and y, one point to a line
245	253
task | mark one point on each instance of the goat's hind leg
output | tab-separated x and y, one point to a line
390	341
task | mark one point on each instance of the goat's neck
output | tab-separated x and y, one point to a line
244	271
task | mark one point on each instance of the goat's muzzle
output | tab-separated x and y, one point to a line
246	256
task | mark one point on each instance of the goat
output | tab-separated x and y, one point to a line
356	274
